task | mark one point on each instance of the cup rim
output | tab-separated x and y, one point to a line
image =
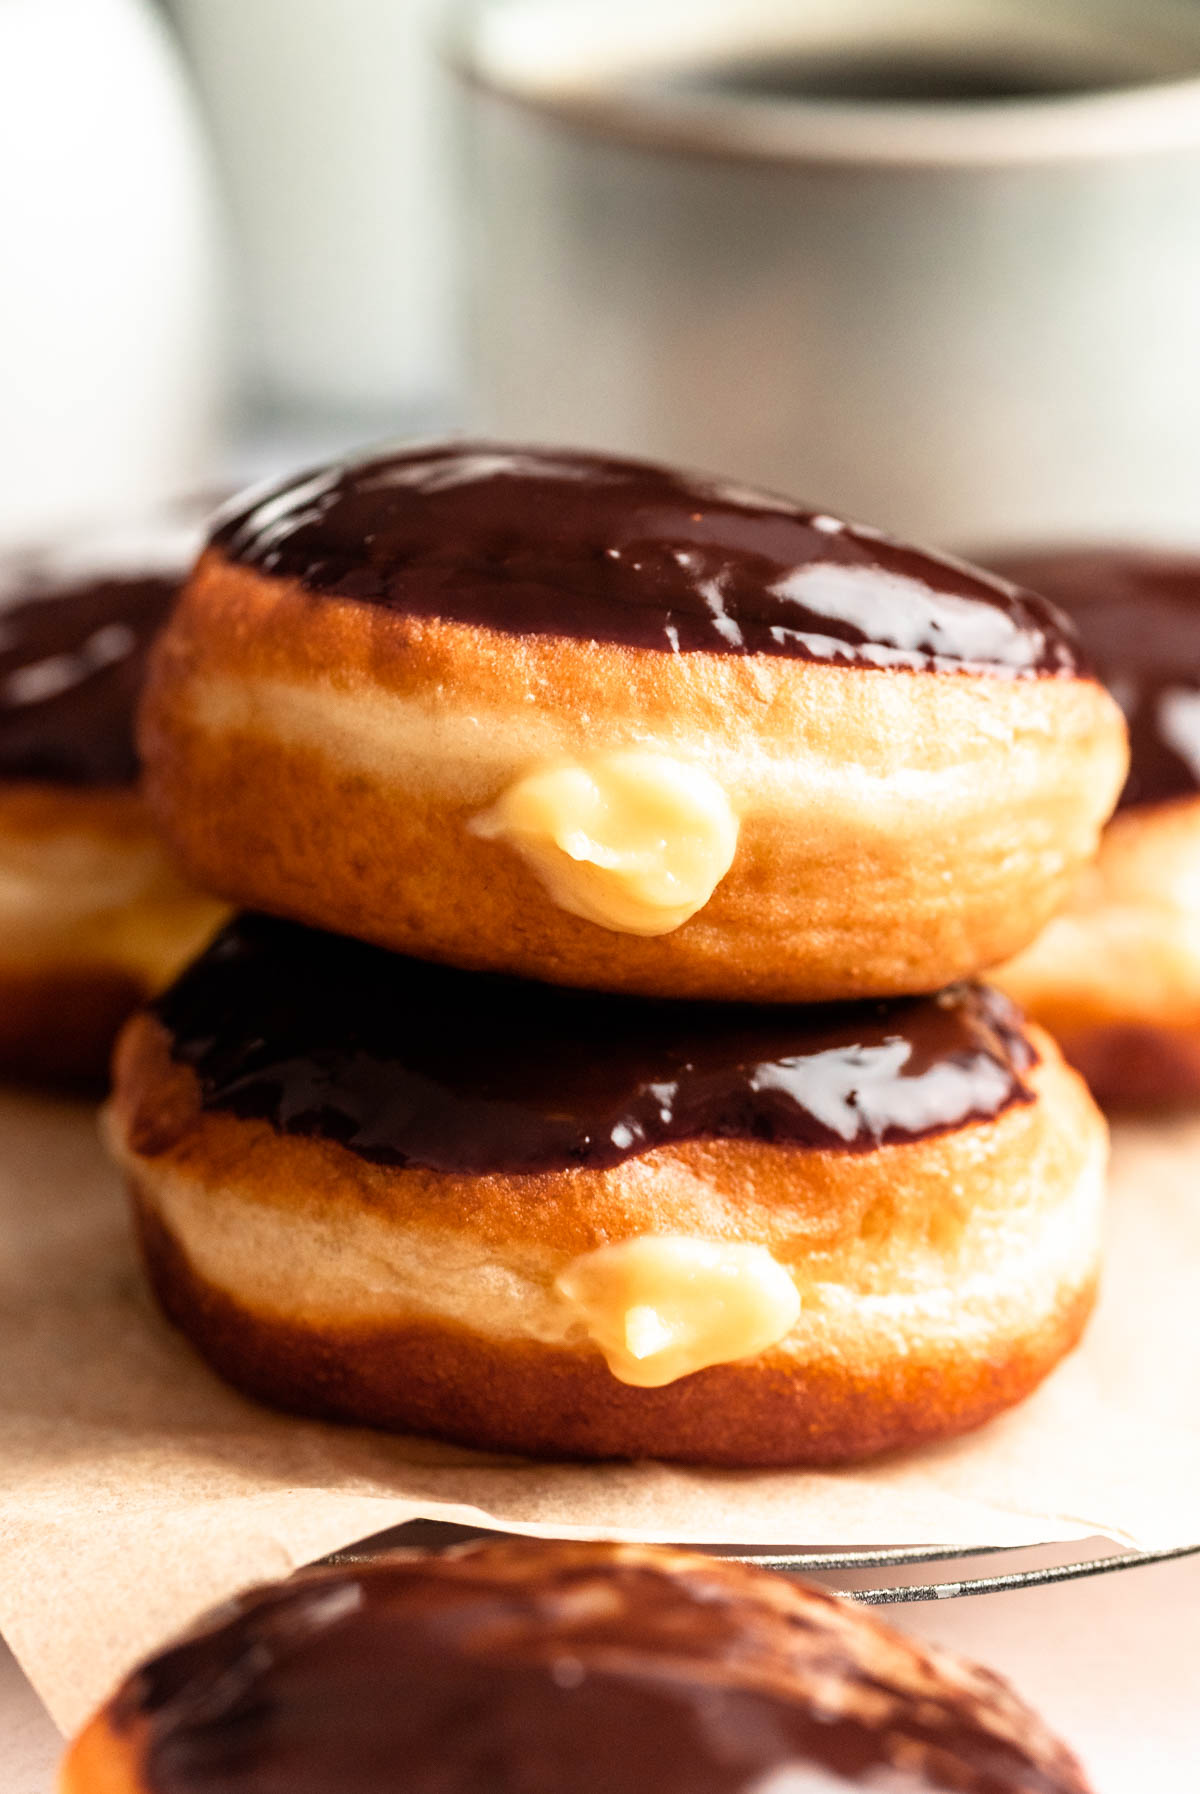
1107	123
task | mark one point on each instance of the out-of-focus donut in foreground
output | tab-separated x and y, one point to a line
1117	976
92	916
532	1668
606	725
569	1224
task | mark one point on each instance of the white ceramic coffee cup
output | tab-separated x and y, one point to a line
971	322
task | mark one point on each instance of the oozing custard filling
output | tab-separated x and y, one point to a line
664	1305
636	842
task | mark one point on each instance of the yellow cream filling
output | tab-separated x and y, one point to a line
634	841
664	1305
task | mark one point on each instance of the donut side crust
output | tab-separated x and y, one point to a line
533	1399
322	759
1116	976
869	1223
92	919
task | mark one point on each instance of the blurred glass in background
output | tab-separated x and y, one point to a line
112	380
328	122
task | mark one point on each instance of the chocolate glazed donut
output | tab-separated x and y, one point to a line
1117	976
607	725
558	1669
566	1224
92	915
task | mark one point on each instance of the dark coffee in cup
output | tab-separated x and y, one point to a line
899	76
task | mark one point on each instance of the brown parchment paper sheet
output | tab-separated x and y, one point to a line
136	1490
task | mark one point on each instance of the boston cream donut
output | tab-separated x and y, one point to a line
529	1668
91	915
1117	976
607	725
374	1189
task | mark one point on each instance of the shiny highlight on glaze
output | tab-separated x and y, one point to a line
595	548
407	1063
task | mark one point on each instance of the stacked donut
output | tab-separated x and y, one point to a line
1116	977
598	1069
92	915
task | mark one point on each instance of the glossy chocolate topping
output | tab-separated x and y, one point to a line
1138	613
578	545
76	625
529	1669
412	1064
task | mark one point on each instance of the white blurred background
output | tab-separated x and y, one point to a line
936	262
332	144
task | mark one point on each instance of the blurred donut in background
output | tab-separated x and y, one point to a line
558	1668
92	915
1117	976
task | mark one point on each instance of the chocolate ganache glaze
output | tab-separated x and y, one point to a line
566	1670
76	624
625	551
1138	614
406	1063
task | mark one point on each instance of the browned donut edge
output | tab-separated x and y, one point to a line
103	1761
1116	977
58	1026
543	1401
58	1022
63	996
1136	1065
